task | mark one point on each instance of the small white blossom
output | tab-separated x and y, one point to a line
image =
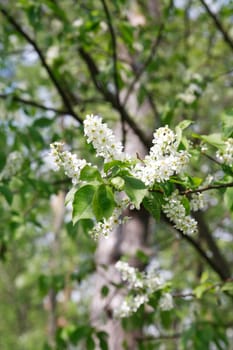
198	202
13	165
108	225
129	274
166	302
163	160
71	164
130	305
175	211
226	156
190	94
102	139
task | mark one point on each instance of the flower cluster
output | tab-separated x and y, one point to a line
226	155
143	285
175	211
198	202
102	139
71	164
166	302
190	94
163	161
108	225
13	165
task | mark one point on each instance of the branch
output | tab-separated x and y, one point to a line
115	59
32	103
221	272
52	76
224	275
159	337
219	25
211	187
217	257
146	63
110	97
114	47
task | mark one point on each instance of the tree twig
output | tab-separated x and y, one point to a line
51	75
33	103
218	24
207	188
110	97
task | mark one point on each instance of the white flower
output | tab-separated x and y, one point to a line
198	202
13	165
226	156
163	160
190	94
166	302
130	305
108	225
102	139
129	274
175	211
71	164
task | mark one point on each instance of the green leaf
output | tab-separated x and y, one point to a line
118	182
102	336
7	194
214	140
153	204
43	122
186	204
90	343
82	203
104	291
135	189
184	124
227	287
103	202
90	174
228	198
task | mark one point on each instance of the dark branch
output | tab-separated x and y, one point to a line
146	63
114	59
208	188
114	48
32	103
219	25
217	257
224	275
110	97
51	75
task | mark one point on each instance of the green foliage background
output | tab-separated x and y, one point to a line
59	62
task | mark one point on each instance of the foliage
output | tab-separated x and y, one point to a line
145	68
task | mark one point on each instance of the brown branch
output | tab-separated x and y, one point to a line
224	275
32	103
114	59
211	187
114	47
217	257
110	97
219	25
146	63
51	75
159	337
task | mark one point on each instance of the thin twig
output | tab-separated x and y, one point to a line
114	48
207	188
52	76
110	97
32	103
146	63
218	24
115	60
